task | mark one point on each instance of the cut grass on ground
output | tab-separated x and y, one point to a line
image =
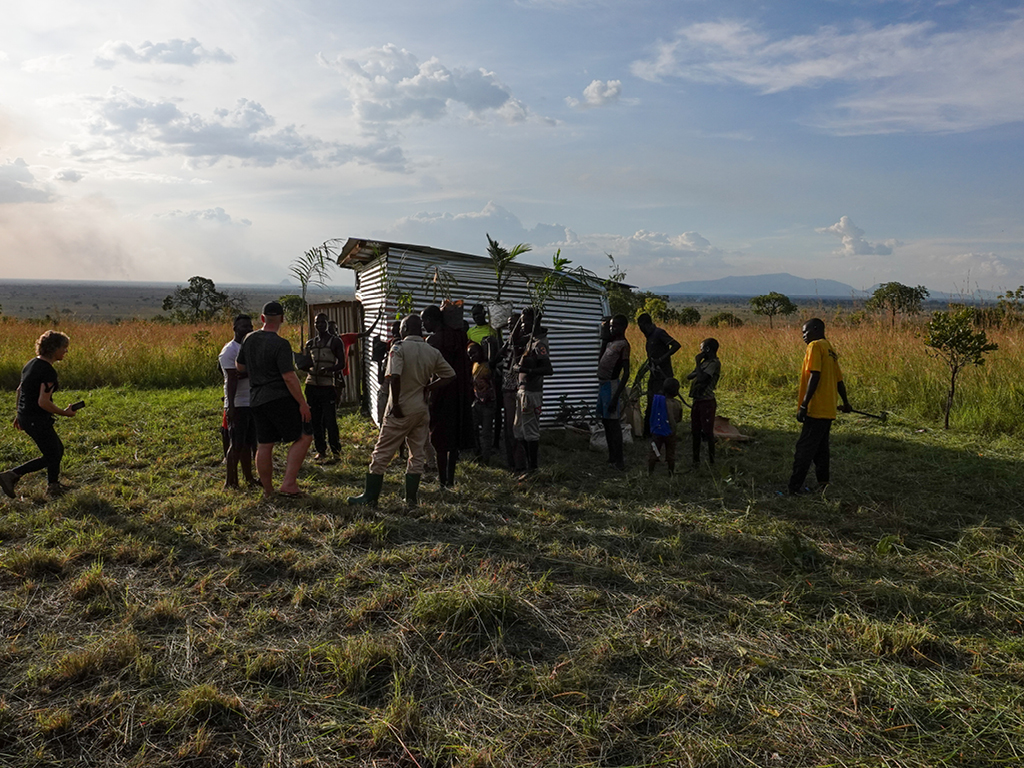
587	618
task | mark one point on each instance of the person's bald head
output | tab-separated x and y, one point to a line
412	326
814	329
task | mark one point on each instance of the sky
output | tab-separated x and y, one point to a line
864	141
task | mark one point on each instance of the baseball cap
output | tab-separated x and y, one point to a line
272	308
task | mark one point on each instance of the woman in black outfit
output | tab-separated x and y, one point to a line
35	413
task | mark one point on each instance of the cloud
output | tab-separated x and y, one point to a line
60	63
467	231
186	53
69	175
598	94
390	85
18	184
647	256
898	78
124	128
208	216
854	243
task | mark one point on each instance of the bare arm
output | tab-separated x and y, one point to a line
673	347
46	402
623	382
812	386
232	390
846	407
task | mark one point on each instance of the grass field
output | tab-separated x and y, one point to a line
584	619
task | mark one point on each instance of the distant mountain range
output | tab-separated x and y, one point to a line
797	287
755	285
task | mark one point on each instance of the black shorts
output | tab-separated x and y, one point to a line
243	429
278	421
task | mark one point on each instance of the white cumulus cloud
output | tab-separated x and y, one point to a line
208	216
18	184
908	77
61	63
599	93
186	53
649	258
69	175
123	127
391	85
853	240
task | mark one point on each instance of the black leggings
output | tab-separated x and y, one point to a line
45	437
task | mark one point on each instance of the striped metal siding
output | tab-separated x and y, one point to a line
573	322
349	317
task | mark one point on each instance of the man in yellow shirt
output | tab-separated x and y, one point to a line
820	380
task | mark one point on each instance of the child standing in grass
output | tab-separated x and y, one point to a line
666	413
483	403
704	378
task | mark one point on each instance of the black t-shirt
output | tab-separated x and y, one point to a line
37	373
266	357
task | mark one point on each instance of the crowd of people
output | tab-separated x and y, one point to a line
447	387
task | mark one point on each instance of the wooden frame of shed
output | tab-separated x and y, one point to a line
386	270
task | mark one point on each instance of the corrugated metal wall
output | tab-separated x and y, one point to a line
349	317
573	322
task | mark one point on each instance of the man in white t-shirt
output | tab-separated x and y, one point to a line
241	425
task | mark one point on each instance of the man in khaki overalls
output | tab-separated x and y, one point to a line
412	364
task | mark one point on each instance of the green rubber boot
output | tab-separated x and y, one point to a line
372	492
412	485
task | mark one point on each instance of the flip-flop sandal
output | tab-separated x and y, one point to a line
292	494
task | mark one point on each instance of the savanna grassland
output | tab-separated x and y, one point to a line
585	618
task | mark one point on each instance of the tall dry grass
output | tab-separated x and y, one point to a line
885	369
138	353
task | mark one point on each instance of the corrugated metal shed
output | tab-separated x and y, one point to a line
573	321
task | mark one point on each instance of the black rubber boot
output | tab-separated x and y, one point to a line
7	481
532	455
412	486
371	493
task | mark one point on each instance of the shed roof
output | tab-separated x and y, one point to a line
358	252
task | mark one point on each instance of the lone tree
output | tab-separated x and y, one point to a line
772	304
896	298
294	307
687	316
200	302
951	338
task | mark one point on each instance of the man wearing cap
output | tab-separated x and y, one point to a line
281	412
414	369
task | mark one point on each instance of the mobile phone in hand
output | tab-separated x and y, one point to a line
77	406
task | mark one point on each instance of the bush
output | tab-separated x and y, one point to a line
725	320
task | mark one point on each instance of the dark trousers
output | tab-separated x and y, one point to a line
514	453
666	445
45	437
613	435
702	426
811	447
323	406
483	429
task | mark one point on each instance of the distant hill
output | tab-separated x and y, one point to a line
755	285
